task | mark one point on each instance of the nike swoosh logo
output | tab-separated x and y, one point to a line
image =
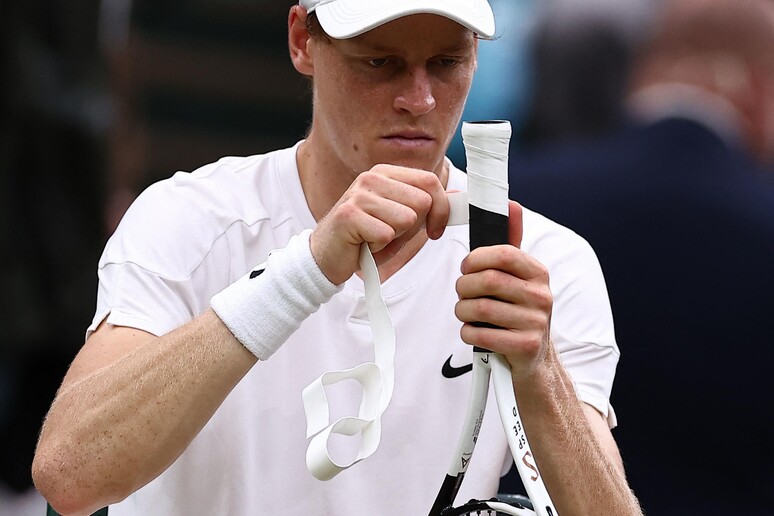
449	371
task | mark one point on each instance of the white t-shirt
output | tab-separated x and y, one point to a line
188	237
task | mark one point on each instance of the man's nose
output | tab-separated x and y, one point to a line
416	94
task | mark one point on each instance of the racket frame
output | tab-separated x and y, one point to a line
491	228
489	366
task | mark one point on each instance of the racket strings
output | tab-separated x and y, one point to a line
516	505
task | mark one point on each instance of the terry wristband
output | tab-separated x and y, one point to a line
264	307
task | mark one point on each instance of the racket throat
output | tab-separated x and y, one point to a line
447	493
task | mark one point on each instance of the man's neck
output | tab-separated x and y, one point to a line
396	263
322	189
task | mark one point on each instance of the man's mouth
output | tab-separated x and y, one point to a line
410	138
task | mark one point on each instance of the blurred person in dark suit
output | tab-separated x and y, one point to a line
581	55
679	205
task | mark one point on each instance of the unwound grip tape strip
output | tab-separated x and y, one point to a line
376	378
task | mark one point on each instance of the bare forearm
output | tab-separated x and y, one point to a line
582	475
119	427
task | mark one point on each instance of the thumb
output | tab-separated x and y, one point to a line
515	223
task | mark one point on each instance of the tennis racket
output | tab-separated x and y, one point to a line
486	150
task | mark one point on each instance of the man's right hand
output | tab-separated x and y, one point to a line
385	207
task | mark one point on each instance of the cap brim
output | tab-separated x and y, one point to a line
342	19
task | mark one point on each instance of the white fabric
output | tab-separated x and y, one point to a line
188	237
459	208
377	380
342	19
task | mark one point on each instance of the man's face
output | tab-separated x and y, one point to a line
392	95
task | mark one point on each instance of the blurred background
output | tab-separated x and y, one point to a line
99	100
102	98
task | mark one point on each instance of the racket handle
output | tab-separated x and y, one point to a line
486	151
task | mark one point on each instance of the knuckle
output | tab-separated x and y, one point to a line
356	198
544	299
542	273
427	179
505	254
380	239
424	202
531	343
459	311
536	320
405	218
347	211
491	280
369	179
539	295
379	169
459	287
484	309
384	234
467	334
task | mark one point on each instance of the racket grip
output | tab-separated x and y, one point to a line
486	151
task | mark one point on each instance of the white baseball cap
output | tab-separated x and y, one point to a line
342	19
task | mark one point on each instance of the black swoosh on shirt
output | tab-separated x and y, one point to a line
449	371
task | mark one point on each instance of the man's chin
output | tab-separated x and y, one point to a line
432	163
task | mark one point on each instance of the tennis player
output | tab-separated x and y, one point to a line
225	291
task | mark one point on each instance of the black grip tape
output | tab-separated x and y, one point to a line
487	228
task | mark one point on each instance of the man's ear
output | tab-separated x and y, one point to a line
475	53
299	41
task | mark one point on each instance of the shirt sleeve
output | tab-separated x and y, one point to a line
156	272
582	327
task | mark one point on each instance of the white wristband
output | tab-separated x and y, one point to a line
264	307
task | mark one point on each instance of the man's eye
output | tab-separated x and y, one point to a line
378	62
448	62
